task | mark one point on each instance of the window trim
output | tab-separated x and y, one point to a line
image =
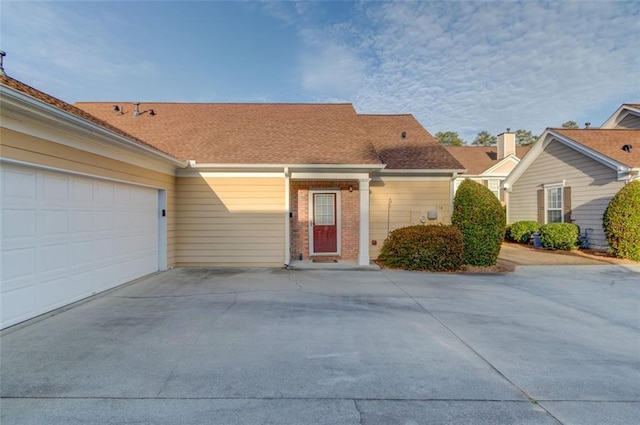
546	188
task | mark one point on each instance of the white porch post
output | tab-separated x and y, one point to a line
287	219
363	250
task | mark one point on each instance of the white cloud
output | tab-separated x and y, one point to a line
471	66
332	70
61	41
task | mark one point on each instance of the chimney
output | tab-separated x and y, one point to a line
136	109
2	55
506	144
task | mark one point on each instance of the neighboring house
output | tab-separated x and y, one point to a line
489	165
570	175
96	195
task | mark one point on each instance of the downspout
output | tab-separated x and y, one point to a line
287	217
452	188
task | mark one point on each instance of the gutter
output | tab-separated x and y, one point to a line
41	107
453	171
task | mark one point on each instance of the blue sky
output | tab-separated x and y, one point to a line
462	66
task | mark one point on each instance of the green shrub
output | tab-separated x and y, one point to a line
480	217
433	248
565	236
621	222
521	231
507	233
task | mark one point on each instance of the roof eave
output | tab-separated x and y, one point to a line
396	171
24	101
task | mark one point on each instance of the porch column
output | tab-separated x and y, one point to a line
363	250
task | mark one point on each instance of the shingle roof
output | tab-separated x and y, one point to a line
478	159
268	133
418	149
60	104
608	142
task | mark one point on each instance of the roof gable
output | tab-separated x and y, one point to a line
403	143
479	160
626	116
602	145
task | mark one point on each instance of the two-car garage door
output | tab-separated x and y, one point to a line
66	237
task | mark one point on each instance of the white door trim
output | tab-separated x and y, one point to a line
338	218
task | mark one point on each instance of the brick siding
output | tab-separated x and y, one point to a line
350	217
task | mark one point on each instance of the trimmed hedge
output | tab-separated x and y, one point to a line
480	217
621	222
565	236
432	248
521	231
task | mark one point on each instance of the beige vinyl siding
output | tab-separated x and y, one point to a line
592	187
630	121
503	169
230	221
409	201
33	150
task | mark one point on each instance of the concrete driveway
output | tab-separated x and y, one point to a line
543	345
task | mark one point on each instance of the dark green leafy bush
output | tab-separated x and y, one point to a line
565	236
521	231
621	222
480	217
432	248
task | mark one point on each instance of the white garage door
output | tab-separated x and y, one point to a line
66	237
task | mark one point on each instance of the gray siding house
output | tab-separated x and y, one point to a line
570	175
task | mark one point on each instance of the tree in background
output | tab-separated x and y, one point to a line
449	138
484	138
525	138
570	124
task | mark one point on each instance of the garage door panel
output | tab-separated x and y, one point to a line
14	302
17	263
54	187
82	191
104	193
18	185
54	222
66	237
49	294
103	220
18	223
80	221
52	257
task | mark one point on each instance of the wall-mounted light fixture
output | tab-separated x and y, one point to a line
350	188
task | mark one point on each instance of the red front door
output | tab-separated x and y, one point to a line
325	228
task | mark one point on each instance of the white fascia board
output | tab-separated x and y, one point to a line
34	108
292	167
527	160
420	171
588	152
387	178
229	174
509	158
295	175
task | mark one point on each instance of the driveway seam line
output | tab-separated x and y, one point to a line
502	375
356	399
